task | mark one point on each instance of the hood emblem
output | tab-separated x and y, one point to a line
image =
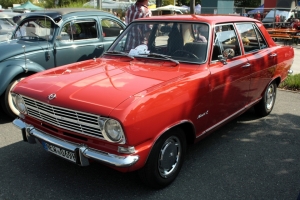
52	96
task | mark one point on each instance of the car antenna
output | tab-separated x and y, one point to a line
48	45
25	68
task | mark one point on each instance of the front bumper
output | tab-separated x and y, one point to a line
84	153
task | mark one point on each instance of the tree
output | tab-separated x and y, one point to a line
9	3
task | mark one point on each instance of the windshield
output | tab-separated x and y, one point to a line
183	42
35	29
282	14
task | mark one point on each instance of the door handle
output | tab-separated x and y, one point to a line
247	65
273	55
100	47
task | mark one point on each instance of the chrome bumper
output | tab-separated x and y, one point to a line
31	134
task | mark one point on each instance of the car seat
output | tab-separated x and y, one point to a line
175	41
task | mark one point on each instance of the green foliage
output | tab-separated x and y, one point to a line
64	3
168	2
9	3
292	82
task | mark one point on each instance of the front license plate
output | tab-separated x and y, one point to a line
69	155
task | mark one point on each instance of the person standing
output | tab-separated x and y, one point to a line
257	16
139	33
138	10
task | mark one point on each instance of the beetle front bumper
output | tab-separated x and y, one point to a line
84	153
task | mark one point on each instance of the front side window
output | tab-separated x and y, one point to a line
35	29
226	40
251	37
183	42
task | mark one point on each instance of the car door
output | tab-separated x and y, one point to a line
79	40
230	79
261	58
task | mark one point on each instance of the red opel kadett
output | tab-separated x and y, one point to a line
165	82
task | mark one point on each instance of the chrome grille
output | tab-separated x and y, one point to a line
72	120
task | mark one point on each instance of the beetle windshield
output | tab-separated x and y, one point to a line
185	42
35	29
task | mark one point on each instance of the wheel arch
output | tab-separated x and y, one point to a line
185	125
13	69
277	80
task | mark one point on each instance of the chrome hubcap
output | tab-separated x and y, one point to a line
169	156
270	96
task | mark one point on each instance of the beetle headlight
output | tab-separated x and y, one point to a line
112	130
19	103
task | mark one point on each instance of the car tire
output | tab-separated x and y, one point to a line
165	160
266	104
6	99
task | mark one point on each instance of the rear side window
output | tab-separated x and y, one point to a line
251	37
79	30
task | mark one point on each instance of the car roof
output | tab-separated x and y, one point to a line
64	11
8	14
58	14
208	18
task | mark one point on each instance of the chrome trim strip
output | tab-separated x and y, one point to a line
30	53
19	124
85	152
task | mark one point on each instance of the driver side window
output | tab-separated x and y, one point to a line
225	40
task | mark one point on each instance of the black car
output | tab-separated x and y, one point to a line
51	38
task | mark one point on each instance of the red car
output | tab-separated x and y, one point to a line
165	83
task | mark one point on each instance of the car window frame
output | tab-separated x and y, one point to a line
222	49
258	34
115	21
77	21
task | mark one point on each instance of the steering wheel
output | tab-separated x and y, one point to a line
185	53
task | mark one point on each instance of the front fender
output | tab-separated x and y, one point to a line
9	69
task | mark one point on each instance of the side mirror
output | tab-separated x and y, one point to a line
228	53
222	59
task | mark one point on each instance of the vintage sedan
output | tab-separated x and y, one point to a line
165	83
51	38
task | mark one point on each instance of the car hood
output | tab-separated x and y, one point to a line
12	48
100	85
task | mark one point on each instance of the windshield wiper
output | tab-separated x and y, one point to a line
119	53
157	55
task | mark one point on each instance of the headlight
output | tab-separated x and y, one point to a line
112	130
19	103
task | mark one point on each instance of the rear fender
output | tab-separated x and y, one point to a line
10	69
